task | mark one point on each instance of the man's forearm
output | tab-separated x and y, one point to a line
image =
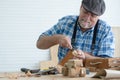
46	42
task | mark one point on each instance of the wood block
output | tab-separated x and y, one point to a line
102	63
72	72
65	71
92	69
76	62
47	64
82	72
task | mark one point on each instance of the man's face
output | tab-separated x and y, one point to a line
87	19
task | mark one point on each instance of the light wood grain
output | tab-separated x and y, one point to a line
50	77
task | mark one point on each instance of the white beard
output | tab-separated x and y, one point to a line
84	24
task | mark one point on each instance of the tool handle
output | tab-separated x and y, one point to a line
68	56
32	71
25	70
35	71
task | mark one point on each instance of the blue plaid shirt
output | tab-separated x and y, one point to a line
104	44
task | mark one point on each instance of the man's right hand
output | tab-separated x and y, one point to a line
65	41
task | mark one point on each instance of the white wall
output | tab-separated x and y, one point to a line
22	21
112	13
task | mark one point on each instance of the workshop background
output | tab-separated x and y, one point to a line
22	21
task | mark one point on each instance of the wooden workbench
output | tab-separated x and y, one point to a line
46	77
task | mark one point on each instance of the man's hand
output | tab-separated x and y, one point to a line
82	55
65	41
79	54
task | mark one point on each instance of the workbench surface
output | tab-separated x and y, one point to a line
16	76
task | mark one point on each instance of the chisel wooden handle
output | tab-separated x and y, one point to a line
69	55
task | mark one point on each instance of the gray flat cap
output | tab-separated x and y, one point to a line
94	6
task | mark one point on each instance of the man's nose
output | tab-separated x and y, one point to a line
88	16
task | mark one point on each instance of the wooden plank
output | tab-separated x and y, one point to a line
54	59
